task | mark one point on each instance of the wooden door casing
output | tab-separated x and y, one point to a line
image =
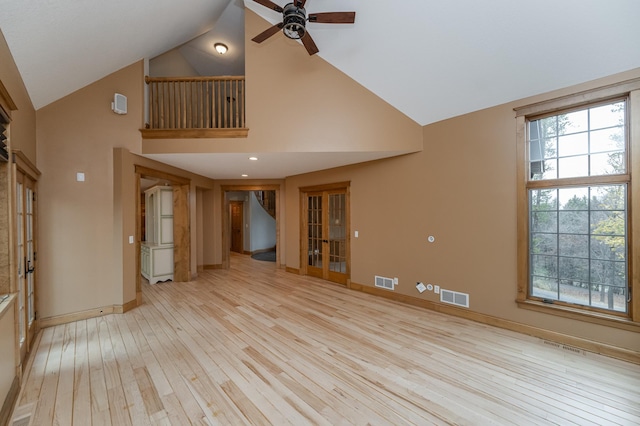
325	245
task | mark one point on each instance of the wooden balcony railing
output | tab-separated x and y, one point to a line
192	107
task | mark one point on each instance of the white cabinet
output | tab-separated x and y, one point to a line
156	251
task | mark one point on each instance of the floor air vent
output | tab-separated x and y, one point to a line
384	282
454	298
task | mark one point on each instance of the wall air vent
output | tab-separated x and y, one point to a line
383	282
454	298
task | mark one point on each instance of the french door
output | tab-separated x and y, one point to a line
26	259
326	239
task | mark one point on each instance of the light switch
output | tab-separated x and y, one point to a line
355	234
130	239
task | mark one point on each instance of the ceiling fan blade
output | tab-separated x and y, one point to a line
268	33
309	44
333	17
269	4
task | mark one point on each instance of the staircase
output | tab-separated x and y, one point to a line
267	200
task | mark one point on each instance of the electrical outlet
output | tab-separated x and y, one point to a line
395	281
436	289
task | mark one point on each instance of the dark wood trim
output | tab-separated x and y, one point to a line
181	234
193	133
139	237
25	165
232	188
585	344
610	91
325	187
581	314
291	270
212	267
148	79
173	179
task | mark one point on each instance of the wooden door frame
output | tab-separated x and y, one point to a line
241	206
304	191
28	170
226	220
181	225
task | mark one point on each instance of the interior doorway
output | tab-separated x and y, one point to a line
181	222
325	241
228	197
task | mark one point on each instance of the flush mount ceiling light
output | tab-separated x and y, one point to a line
253	158
221	48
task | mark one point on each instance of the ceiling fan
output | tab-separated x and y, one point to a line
294	18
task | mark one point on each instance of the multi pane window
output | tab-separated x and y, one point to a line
577	203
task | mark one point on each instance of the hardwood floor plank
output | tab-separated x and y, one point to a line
98	389
63	409
44	414
81	380
133	400
257	345
34	376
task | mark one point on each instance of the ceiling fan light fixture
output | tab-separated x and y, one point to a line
221	48
294	19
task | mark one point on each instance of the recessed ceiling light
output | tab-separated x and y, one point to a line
253	158
245	175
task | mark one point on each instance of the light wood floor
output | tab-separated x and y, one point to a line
257	345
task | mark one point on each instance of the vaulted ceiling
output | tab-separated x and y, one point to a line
429	59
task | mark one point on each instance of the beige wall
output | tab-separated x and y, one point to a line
462	190
297	103
79	255
171	64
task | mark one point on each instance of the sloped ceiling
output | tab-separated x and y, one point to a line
429	59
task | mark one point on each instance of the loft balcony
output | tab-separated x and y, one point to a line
196	107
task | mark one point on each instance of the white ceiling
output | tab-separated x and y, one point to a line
430	59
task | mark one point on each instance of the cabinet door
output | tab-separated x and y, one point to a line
165	217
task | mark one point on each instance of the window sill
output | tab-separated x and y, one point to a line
6	303
600	318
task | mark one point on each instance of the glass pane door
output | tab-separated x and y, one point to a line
327	234
21	259
30	253
314	223
337	233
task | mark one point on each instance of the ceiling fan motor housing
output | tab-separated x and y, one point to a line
294	19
